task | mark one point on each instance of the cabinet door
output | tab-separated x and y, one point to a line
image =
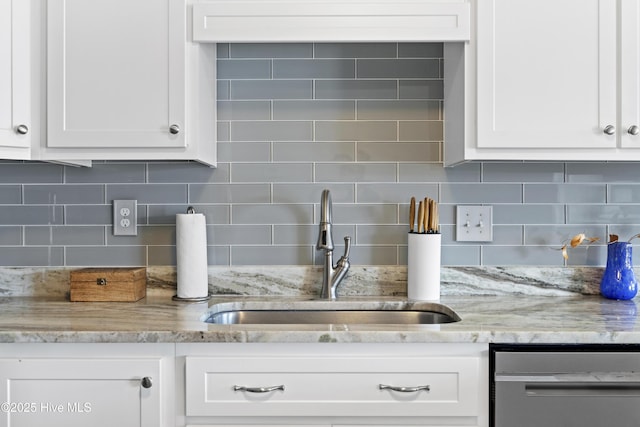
15	117
79	392
546	73
116	74
630	74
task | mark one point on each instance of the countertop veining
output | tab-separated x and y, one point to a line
496	304
507	319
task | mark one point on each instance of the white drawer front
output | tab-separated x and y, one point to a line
332	386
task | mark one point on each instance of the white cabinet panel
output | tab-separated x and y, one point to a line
116	73
15	75
546	73
322	21
629	127
79	392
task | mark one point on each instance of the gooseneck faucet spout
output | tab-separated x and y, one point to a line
331	275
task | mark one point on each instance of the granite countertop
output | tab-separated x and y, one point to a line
496	304
157	318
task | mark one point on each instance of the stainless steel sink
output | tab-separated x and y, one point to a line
430	314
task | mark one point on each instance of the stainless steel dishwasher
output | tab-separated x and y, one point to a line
564	385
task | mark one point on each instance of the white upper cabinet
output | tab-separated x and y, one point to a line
118	81
630	74
540	80
114	77
546	73
15	75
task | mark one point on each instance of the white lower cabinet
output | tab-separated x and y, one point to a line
333	384
86	385
243	384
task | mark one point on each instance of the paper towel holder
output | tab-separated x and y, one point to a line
191	210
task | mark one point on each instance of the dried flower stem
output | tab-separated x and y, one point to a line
575	241
633	237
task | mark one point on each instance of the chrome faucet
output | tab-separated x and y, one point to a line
331	276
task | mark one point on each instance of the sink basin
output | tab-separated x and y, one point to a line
430	314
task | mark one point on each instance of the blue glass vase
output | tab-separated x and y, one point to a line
618	281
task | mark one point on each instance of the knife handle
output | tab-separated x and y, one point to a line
412	214
420	217
436	218
427	214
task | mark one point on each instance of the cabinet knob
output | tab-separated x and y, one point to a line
146	382
174	129
633	130
22	129
610	130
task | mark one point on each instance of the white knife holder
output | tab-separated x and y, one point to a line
423	266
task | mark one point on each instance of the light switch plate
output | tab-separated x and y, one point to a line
125	215
474	223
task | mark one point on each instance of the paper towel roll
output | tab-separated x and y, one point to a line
191	251
423	266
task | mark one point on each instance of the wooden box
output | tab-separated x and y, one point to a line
109	284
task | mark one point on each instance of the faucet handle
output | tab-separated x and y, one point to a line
347	246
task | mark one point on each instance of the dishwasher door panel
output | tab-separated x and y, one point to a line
523	404
565	385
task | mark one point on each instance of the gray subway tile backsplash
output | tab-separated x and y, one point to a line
413	68
314	69
31	215
421	89
356	130
565	193
270	89
523	172
355	89
148	193
271	172
64	235
314	151
10	194
398	151
399	110
314	110
268	50
247	69
31	256
30	173
356	50
362	119
229	193
280	130
72	194
243	110
10	236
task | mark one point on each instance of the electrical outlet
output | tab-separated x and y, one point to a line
474	223
125	215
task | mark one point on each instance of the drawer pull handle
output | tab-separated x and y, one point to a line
405	389
258	389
